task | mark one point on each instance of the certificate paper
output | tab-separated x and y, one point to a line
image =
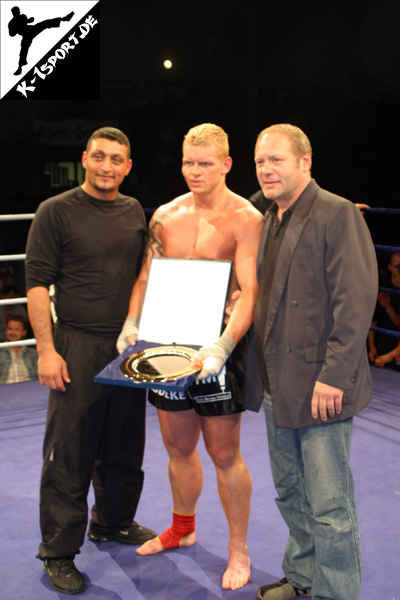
185	301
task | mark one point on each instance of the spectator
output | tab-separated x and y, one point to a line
385	359
9	292
17	363
386	316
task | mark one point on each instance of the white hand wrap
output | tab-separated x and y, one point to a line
214	357
129	329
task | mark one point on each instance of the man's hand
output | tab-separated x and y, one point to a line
326	400
214	357
384	299
372	353
382	360
362	207
129	334
52	370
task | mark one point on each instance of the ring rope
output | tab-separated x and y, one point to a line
390	291
29	342
30	216
8	301
391	332
7	257
386	211
387	248
21	217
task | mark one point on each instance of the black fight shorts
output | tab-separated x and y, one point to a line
212	397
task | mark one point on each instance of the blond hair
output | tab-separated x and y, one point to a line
207	134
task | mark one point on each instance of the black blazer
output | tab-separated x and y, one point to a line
322	300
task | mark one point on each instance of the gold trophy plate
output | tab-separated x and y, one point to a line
159	364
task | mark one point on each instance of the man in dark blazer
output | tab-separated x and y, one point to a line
307	359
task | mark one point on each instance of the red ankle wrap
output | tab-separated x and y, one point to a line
182	525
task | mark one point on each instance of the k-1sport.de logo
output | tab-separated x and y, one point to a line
44	48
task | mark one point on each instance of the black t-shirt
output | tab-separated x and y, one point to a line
91	250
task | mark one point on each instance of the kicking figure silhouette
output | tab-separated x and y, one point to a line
19	25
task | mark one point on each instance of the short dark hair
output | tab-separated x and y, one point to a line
110	133
19	318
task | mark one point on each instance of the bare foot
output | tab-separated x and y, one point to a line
154	546
238	572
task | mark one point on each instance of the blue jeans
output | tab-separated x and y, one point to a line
312	476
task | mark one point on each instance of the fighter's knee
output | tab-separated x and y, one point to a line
178	449
222	457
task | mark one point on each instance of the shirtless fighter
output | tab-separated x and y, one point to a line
208	222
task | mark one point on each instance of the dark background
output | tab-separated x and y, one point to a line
330	67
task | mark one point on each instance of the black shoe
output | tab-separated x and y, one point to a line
134	534
63	575
282	590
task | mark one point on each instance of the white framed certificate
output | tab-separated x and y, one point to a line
185	301
183	309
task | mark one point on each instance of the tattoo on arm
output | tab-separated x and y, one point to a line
154	245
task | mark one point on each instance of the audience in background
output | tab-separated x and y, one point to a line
386	316
388	358
9	292
17	363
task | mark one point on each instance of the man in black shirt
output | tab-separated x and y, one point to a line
89	242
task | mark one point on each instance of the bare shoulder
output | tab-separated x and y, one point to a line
165	221
174	206
244	212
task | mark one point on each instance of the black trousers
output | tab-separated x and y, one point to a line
94	432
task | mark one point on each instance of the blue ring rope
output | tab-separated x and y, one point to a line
385	211
390	291
386	331
387	248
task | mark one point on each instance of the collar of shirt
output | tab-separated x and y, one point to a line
288	212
